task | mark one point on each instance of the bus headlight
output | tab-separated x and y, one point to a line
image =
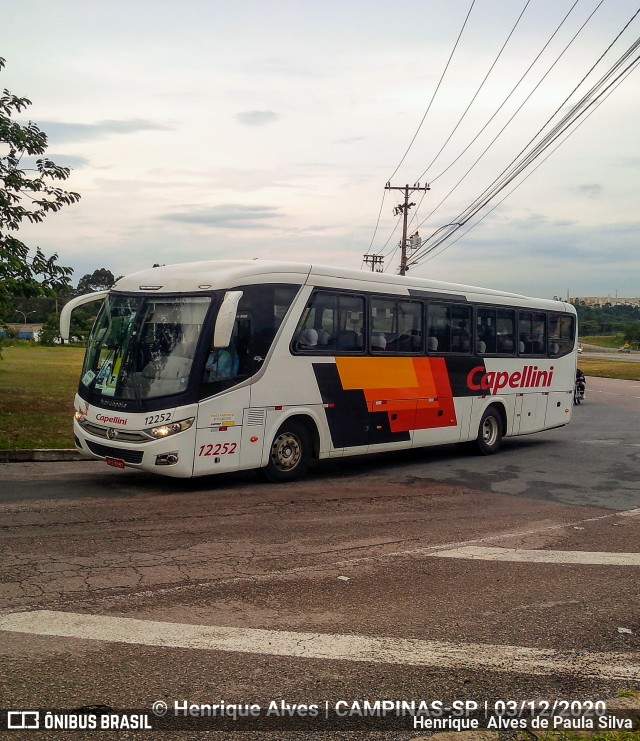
79	416
171	428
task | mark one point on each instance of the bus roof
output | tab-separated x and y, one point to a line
210	275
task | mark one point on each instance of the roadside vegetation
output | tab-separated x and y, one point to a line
614	340
606	368
37	386
610	319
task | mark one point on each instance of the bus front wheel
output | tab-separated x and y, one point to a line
489	437
290	453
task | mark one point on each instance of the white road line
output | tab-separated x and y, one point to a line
530	556
326	646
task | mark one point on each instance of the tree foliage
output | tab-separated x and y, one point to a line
99	280
608	319
27	195
632	332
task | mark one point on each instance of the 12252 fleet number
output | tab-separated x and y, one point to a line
218	449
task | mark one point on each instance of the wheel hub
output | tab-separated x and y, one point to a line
286	451
490	430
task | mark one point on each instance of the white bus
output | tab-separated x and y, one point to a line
207	367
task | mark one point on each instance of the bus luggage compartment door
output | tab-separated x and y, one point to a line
530	412
559	408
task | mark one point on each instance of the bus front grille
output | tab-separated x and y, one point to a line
104	451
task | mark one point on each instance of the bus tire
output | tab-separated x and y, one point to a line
489	437
289	453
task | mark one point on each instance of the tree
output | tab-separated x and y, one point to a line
588	327
99	280
27	194
632	333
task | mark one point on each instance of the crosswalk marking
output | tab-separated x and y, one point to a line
327	646
531	556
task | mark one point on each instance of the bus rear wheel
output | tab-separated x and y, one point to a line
489	437
290	453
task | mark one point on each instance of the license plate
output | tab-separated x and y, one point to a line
115	462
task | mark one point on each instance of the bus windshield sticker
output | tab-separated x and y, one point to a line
88	377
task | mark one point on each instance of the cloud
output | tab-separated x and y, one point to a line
591	190
350	140
257	118
227	216
63	131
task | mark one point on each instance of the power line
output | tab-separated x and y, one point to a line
375	231
393	231
418	130
515	87
515	113
486	77
578	110
512	91
566	121
432	254
435	92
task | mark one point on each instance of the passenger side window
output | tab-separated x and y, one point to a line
506	331
332	324
486	335
384	323
350	337
532	333
495	331
395	326
449	328
561	334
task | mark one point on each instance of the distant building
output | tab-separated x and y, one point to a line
604	300
24	331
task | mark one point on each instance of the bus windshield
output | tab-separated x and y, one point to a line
142	347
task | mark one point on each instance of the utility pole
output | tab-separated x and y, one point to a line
403	209
375	261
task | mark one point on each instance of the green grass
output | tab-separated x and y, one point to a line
613	340
610	368
37	386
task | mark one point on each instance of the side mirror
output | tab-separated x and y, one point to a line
226	319
65	314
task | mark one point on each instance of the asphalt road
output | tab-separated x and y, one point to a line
418	575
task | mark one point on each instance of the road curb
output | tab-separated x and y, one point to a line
43	455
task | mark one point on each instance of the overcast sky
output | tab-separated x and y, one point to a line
214	130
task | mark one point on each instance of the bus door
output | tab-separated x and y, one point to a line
220	430
222	418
